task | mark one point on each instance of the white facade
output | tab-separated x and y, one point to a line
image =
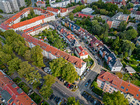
64	13
14	5
136	16
5	6
60	4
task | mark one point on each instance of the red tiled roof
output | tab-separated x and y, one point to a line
40	2
117	83
18	98
52	9
83	15
62	10
81	51
56	52
109	23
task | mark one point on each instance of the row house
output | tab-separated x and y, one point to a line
11	94
51	52
135	14
63	3
81	53
40	4
109	82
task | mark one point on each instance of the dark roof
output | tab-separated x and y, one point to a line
5	95
19	90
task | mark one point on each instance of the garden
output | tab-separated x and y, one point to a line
37	99
17	80
90	62
24	87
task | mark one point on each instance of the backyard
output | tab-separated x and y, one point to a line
37	99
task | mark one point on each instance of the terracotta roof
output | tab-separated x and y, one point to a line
15	94
120	84
81	51
109	23
62	10
40	2
83	15
52	9
56	52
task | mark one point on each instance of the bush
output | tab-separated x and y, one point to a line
17	80
96	89
1	11
36	98
24	87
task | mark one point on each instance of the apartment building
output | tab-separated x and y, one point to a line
9	6
51	52
63	3
5	6
14	5
110	83
11	94
117	19
40	4
21	3
15	24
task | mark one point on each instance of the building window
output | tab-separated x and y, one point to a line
128	84
122	87
126	89
137	95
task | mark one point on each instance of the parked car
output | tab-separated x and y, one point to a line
88	82
66	83
68	86
71	86
51	97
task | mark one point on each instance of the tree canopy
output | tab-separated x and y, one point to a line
116	98
72	101
61	67
122	26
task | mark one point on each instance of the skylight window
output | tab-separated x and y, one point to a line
126	89
122	87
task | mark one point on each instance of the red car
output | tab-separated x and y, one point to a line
68	86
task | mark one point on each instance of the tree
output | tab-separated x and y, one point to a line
0	45
61	67
71	16
36	56
27	55
13	65
131	34
96	29
130	5
4	58
1	11
72	101
138	51
49	80
45	91
116	42
7	49
34	78
116	98
122	26
25	69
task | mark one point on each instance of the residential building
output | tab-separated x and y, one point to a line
81	15
21	3
138	41
15	24
63	3
110	83
81	53
87	11
53	10
14	5
135	14
5	6
129	69
63	11
40	4
11	94
51	52
117	19
118	2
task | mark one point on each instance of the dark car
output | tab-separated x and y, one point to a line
88	82
71	86
66	83
57	100
51	97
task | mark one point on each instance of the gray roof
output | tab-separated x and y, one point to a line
5	95
19	90
130	69
14	85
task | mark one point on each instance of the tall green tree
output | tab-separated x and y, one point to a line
71	16
37	56
27	55
116	98
72	101
7	49
13	65
4	58
49	80
122	26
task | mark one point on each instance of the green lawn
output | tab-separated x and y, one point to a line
89	61
37	99
24	87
